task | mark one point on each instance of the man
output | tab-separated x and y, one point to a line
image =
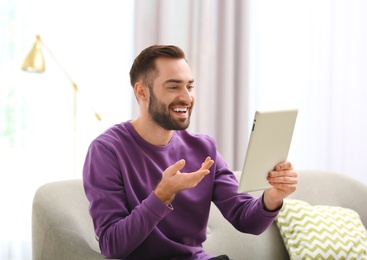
150	182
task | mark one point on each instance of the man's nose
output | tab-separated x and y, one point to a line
186	96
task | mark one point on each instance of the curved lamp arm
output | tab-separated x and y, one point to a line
35	62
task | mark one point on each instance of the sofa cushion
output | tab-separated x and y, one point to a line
321	232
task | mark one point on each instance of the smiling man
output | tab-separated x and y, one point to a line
150	182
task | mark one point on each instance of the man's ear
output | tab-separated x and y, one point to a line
141	91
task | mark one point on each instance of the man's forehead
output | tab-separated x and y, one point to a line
168	62
174	70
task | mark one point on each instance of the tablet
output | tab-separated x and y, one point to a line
269	143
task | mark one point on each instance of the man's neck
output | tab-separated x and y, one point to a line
151	132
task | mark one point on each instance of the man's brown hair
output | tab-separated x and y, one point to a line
144	67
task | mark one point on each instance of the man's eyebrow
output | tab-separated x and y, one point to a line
176	81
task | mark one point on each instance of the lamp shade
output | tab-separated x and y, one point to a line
34	62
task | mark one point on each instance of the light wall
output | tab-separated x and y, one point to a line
93	41
312	55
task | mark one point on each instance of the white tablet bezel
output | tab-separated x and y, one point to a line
268	145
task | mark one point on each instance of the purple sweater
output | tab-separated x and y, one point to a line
120	173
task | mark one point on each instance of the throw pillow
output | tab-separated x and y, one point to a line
321	232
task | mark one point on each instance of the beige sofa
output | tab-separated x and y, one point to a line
63	229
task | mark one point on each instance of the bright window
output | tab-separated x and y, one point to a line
93	41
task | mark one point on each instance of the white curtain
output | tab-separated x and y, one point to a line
214	36
92	40
313	55
263	54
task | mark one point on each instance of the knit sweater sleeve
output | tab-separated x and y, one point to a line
244	211
115	223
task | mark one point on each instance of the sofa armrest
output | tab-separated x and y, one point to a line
61	225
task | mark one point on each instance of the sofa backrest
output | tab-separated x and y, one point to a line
315	187
62	227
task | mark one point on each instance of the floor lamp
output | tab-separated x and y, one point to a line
34	62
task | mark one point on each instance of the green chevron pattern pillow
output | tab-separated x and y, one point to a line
321	232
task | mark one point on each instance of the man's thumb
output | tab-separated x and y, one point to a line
178	165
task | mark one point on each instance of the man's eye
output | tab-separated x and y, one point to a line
190	87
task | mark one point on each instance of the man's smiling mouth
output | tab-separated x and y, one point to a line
180	109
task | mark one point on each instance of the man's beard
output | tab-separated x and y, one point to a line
161	115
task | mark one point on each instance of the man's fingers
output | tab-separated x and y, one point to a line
179	165
202	172
283	166
194	178
207	163
288	173
283	180
173	169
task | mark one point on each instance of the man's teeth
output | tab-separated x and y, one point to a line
180	109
